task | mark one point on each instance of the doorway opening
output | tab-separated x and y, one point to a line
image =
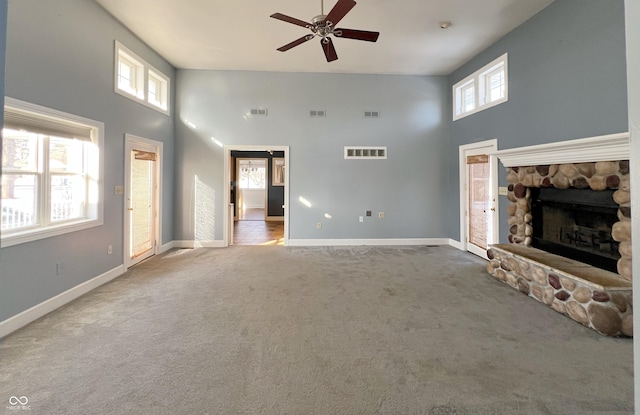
143	159
478	196
256	195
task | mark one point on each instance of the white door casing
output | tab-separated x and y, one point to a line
474	149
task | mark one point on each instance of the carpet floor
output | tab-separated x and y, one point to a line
344	330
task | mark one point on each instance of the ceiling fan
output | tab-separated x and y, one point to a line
325	25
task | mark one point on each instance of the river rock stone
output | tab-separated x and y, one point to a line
559	306
512	177
607	167
527	180
542	170
560	181
500	274
519	190
620	302
512	197
623	167
568	284
600	296
524	273
580	182
537	292
528	217
490	254
621	197
582	295
625	249
625	211
546	182
539	275
513	229
553	170
577	312
598	182
554	281
513	265
524	206
512	280
524	265
604	319
523	286
612	181
528	241
547	296
511	209
563	295
624	269
586	169
627	325
625	183
621	231
568	170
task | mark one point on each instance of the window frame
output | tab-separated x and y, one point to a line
93	210
479	80
145	73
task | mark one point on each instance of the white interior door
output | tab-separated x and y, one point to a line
479	198
141	217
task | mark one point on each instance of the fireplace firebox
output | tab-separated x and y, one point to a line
576	224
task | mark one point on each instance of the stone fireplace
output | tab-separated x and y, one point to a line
569	222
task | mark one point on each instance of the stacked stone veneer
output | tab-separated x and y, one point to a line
608	310
597	176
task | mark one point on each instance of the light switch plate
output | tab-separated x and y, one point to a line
503	191
119	190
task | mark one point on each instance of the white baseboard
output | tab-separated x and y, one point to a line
457	244
369	242
20	320
198	244
166	247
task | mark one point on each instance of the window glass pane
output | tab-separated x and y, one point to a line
19	200
252	177
126	76
67	197
495	85
468	98
19	150
66	155
153	91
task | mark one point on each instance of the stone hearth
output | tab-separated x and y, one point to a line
596	298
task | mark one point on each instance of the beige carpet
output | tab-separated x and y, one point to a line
273	330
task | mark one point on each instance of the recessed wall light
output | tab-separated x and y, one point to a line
445	25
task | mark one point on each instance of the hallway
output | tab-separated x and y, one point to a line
252	229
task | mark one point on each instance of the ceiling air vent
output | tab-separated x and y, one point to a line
317	113
259	112
371	153
372	114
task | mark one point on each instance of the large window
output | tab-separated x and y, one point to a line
482	89
253	174
51	169
139	81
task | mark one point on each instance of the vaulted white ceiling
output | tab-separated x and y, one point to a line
240	35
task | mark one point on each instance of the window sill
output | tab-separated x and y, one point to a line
37	234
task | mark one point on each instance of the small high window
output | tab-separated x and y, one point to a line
139	81
483	89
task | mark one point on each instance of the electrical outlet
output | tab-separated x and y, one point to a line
109	249
381	215
119	190
59	268
361	218
503	191
319	225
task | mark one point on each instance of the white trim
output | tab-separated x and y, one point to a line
601	148
20	320
370	242
478	79
130	142
487	147
146	67
456	244
227	220
198	244
167	247
10	239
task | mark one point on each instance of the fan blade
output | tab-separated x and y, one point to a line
341	8
290	19
329	50
295	43
357	34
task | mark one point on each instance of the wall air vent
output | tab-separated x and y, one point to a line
259	112
371	153
372	114
317	113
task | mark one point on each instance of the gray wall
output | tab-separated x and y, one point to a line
60	55
407	186
567	80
